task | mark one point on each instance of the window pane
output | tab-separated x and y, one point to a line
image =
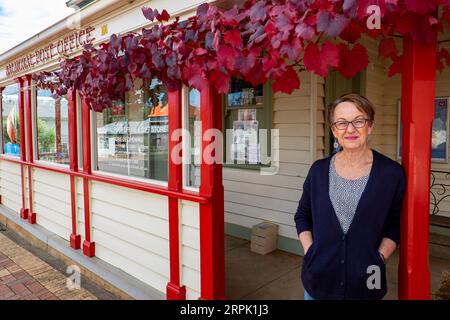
195	138
10	119
243	94
247	116
132	135
52	127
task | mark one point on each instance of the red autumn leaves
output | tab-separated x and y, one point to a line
347	60
260	41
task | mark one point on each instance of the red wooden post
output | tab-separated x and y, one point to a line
88	245
174	291
29	126
75	239
418	91
2	147
24	210
212	258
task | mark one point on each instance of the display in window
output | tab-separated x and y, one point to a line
10	120
244	94
247	114
245	147
132	135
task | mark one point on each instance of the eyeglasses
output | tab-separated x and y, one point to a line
357	123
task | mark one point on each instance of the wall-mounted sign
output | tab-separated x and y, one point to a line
63	46
104	30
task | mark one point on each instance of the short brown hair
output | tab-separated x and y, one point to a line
361	103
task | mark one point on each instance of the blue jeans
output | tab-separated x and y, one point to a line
308	296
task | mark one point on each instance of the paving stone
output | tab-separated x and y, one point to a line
24	276
4	273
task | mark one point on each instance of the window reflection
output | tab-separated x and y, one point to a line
132	135
195	138
52	127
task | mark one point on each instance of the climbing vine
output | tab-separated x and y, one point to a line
257	42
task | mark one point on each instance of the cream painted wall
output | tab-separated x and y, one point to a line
250	197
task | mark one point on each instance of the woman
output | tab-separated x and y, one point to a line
348	218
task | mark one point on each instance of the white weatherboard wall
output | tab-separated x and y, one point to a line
51	201
190	248
374	86
131	231
130	228
10	185
251	198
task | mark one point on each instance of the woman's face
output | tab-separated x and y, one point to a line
350	138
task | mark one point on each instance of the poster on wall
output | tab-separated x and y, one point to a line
245	147
247	115
439	131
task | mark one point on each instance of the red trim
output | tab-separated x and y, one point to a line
174	290
24	210
88	246
29	122
418	92
29	125
23	149
121	182
212	258
75	239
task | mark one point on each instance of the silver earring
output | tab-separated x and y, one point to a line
336	144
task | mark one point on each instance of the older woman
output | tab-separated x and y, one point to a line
348	217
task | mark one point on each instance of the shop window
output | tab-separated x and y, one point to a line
247	121
132	135
193	147
52	127
10	120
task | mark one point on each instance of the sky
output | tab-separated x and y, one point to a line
22	19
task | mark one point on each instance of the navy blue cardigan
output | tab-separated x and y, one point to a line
336	265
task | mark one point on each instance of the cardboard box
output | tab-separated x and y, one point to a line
264	238
265	249
265	229
264	241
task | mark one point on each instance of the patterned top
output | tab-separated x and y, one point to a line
345	195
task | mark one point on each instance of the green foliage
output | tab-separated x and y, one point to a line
46	137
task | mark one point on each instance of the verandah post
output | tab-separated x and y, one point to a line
29	125
174	290
418	91
24	210
88	245
212	257
75	238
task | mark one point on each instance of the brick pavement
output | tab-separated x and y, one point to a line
24	276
